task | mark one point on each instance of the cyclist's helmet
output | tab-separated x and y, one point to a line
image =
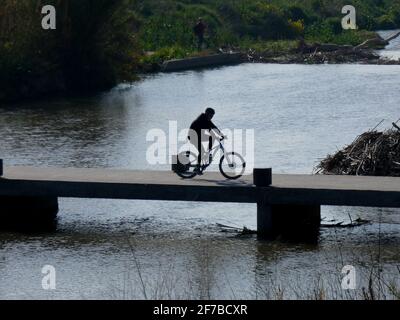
210	111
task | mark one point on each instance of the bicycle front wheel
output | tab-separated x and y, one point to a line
232	166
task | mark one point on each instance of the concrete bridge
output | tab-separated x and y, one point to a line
288	206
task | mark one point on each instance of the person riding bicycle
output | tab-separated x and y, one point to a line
201	130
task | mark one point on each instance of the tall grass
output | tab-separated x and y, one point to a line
171	280
168	23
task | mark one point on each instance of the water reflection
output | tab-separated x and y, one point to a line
80	132
299	114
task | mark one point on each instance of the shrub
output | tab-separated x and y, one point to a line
94	46
297	27
334	24
386	22
264	21
296	13
166	53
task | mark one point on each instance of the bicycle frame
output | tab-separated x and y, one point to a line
210	152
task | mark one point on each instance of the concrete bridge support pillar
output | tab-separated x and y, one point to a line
290	222
28	214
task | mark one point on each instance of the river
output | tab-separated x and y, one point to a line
136	249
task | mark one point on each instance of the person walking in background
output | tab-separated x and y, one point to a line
199	30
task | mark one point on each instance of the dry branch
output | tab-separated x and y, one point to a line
371	154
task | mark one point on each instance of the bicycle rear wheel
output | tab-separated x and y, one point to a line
232	166
187	165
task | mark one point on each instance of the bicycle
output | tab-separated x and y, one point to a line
231	165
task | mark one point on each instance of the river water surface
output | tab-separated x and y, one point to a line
137	249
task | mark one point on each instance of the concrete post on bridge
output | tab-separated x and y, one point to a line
291	222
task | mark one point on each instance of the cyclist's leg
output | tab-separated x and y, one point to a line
201	150
195	140
206	139
211	141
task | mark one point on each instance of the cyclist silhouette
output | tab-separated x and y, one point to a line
201	130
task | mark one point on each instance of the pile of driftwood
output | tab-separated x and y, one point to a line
375	43
373	153
333	53
318	53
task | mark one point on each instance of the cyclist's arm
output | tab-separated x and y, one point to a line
216	129
219	132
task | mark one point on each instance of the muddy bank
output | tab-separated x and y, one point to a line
305	53
317	53
321	57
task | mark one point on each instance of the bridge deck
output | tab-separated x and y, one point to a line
212	187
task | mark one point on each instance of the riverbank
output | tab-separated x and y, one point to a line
298	113
367	52
306	54
131	37
322	54
175	59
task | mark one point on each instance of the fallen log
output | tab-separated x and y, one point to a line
374	42
329	47
393	37
353	224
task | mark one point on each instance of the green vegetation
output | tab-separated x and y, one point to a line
100	43
249	23
93	47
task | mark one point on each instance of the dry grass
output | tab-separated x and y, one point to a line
173	282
